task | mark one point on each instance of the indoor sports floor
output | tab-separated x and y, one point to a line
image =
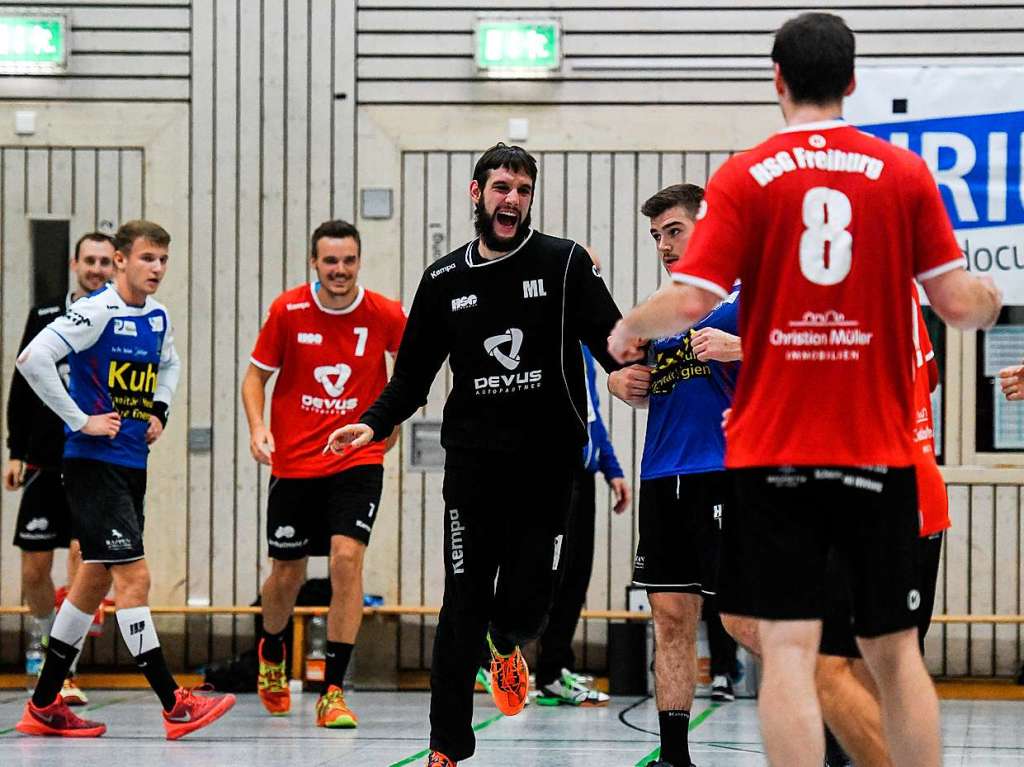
393	733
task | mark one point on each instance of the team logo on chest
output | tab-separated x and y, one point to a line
333	379
510	360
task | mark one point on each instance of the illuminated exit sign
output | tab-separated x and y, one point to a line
33	44
513	47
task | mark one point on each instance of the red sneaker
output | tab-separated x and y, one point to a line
437	759
510	681
57	719
191	711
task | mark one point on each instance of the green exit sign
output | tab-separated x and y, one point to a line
35	44
516	47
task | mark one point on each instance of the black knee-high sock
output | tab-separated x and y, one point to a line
675	731
338	656
273	646
59	657
154	668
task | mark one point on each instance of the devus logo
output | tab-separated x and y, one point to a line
333	378
512	336
156	324
125	328
533	289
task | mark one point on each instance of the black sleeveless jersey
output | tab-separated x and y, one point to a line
511	330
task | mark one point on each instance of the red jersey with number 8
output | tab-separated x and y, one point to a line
826	227
330	368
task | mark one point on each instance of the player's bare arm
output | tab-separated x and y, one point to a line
964	301
672	309
717	345
631	384
261	441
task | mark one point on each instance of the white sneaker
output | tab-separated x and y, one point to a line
572	690
721	689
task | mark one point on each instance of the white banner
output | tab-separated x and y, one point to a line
968	125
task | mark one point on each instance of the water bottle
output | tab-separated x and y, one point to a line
316	653
34	656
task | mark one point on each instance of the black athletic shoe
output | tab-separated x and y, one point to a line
663	763
834	754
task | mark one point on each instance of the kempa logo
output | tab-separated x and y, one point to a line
311	339
463	302
533	289
513	336
38	523
456	529
333	378
438	272
300	305
284	531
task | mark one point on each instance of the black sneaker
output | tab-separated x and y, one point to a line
663	763
834	754
721	689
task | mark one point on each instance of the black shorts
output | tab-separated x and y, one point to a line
787	520
303	514
107	515
680	532
44	519
837	637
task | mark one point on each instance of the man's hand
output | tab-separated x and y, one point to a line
620	488
623	346
715	344
632	385
103	425
154	430
349	437
1012	382
261	444
14	474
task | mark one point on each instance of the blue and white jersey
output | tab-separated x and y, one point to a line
684	412
122	358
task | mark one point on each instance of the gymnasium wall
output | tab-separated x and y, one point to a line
295	105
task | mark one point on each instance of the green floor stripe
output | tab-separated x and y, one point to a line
425	752
694	724
84	710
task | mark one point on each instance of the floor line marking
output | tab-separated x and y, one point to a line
694	724
425	752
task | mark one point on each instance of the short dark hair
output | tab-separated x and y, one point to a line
93	237
335	229
501	155
130	231
686	196
815	53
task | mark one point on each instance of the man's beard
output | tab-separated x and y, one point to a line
484	224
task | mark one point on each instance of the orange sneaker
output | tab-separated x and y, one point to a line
191	711
57	719
510	680
272	685
333	712
437	759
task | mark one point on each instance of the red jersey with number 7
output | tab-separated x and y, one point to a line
330	368
826	227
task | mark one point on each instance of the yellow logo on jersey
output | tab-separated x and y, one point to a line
132	377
